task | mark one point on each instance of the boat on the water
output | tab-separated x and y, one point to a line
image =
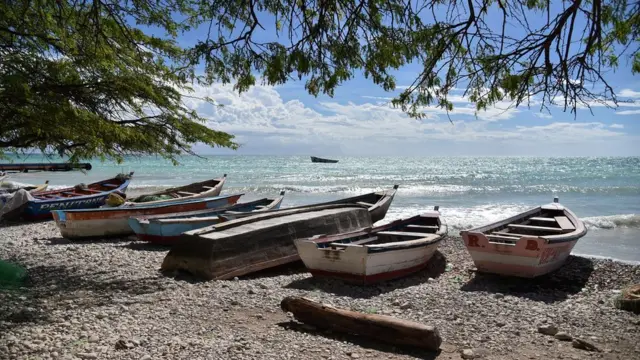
197	190
371	255
246	245
529	244
38	205
165	229
321	160
114	221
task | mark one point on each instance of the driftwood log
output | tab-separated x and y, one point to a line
379	327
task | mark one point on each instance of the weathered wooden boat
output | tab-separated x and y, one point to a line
529	244
377	203
371	255
77	197
321	160
165	229
197	190
26	167
114	221
258	242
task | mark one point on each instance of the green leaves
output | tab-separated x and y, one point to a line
79	78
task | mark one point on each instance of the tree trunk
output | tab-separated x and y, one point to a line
380	327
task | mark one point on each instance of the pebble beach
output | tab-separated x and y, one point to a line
106	299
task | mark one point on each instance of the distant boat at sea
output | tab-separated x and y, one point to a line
321	160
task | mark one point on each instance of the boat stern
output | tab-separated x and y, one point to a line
526	257
342	261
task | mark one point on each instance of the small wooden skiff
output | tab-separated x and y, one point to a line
258	242
321	160
377	203
370	255
529	244
165	229
197	190
78	197
114	221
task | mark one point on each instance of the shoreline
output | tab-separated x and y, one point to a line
107	299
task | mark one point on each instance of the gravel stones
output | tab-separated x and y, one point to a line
550	330
107	298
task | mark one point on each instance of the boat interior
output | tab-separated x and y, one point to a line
545	222
178	192
415	228
80	190
241	208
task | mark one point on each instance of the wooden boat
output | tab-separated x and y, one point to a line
258	242
26	167
167	232
78	197
376	254
377	203
114	221
197	190
529	244
321	160
165	229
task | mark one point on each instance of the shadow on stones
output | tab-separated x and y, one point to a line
434	269
570	279
59	286
145	246
64	241
365	343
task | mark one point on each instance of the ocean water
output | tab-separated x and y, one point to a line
471	191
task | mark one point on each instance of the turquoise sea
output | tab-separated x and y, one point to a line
471	191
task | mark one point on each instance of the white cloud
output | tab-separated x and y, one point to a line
616	126
542	115
628	112
629	93
260	116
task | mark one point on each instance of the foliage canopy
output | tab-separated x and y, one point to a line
108	76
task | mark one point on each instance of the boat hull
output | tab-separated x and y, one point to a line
363	264
109	222
247	245
528	258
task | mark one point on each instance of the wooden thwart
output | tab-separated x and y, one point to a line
402	233
423	227
364	203
543	219
380	327
536	228
565	223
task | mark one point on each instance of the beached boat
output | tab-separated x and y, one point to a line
321	160
375	254
197	190
38	205
258	242
165	229
529	244
114	221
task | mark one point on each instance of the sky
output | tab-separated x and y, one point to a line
358	121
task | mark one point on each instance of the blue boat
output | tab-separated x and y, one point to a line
113	221
78	197
166	228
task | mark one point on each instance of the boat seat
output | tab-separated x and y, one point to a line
364	203
536	228
72	193
549	221
403	233
185	193
512	234
208	187
355	243
565	223
91	190
502	237
425	227
111	185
